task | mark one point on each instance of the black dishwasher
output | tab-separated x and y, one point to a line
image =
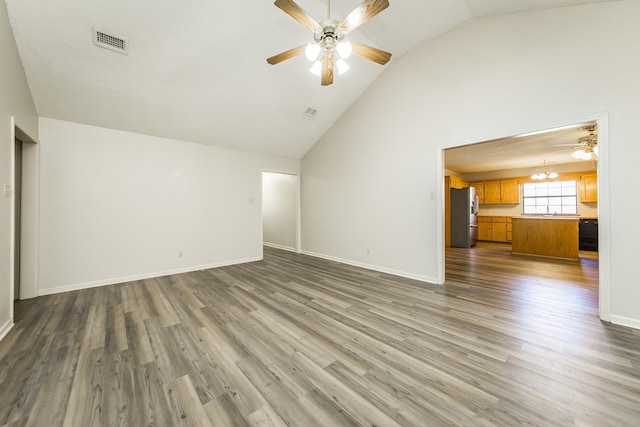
588	234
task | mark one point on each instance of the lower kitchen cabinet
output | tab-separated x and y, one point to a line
494	228
484	228
499	228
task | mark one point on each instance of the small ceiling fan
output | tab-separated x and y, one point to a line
587	146
329	49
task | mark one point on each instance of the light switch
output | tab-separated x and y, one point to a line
7	189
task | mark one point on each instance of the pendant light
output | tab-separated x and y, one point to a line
544	173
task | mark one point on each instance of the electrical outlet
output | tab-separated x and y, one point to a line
368	251
179	254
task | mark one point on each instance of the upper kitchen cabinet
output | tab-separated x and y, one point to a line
509	191
497	192
492	192
589	188
455	182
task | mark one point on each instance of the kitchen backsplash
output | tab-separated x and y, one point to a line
587	210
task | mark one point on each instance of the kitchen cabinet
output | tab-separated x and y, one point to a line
589	188
492	192
509	229
547	236
494	228
497	192
456	182
484	228
479	186
509	191
498	228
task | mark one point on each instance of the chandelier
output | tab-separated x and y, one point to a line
544	173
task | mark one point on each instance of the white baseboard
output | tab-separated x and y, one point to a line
427	279
284	248
113	281
625	321
4	329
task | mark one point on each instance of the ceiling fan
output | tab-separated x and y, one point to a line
587	146
329	49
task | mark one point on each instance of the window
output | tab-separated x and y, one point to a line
554	198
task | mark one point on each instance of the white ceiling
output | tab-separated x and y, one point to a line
550	148
197	70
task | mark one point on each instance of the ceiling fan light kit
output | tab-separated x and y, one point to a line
585	153
588	146
329	50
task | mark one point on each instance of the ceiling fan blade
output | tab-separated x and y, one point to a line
370	53
327	70
296	12
287	54
361	14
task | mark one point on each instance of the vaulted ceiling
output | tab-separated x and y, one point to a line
196	70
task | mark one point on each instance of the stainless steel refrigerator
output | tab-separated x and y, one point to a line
464	217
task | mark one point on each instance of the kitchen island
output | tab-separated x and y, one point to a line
553	236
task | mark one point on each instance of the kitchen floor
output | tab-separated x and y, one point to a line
507	246
494	260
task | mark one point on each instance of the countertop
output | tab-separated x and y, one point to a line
545	217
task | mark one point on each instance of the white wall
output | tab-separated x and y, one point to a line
16	101
369	182
116	206
279	209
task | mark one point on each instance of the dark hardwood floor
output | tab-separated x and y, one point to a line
299	341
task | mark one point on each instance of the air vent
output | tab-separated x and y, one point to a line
311	113
109	41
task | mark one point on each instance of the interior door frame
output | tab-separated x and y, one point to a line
604	224
30	218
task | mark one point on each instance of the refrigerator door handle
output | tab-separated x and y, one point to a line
473	225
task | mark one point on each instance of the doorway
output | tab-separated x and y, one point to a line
510	152
25	218
280	210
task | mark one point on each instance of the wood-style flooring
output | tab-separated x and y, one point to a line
299	341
